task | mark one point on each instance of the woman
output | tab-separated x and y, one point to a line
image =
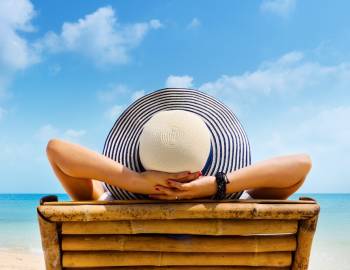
175	144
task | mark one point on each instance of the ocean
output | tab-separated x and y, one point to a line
331	247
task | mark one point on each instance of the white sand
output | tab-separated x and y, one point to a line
21	260
331	256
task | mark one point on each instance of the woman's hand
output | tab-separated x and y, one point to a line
148	181
202	187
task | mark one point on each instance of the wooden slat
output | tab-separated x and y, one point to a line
305	236
62	213
302	200
106	259
169	244
50	244
179	268
184	226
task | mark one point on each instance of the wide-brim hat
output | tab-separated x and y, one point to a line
144	120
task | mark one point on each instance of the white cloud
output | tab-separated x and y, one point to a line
137	94
290	58
179	81
278	7
71	133
292	78
114	112
30	149
118	93
293	105
323	133
329	125
195	23
289	74
47	132
113	92
15	52
155	24
321	130
99	36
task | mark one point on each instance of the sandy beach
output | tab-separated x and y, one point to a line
21	260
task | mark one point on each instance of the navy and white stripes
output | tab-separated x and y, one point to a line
230	145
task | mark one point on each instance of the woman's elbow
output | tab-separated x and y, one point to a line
304	163
53	147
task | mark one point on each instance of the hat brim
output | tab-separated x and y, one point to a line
230	144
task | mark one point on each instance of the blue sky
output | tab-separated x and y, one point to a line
68	68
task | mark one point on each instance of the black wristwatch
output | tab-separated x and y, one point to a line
221	182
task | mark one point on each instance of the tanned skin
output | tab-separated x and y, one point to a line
81	171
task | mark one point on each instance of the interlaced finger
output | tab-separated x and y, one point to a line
166	190
170	194
186	177
179	175
177	185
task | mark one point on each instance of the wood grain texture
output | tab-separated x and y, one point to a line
151	201
183	226
62	213
106	259
50	244
169	244
306	233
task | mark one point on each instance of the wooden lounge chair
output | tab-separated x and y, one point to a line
184	235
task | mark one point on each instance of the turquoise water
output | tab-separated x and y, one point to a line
19	228
18	221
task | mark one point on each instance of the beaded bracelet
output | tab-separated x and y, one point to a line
221	181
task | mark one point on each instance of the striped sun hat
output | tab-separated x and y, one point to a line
226	149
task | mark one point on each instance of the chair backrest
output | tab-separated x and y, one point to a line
186	235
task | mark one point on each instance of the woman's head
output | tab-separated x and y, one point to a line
174	141
196	129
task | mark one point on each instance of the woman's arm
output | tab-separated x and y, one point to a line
276	173
275	178
78	167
